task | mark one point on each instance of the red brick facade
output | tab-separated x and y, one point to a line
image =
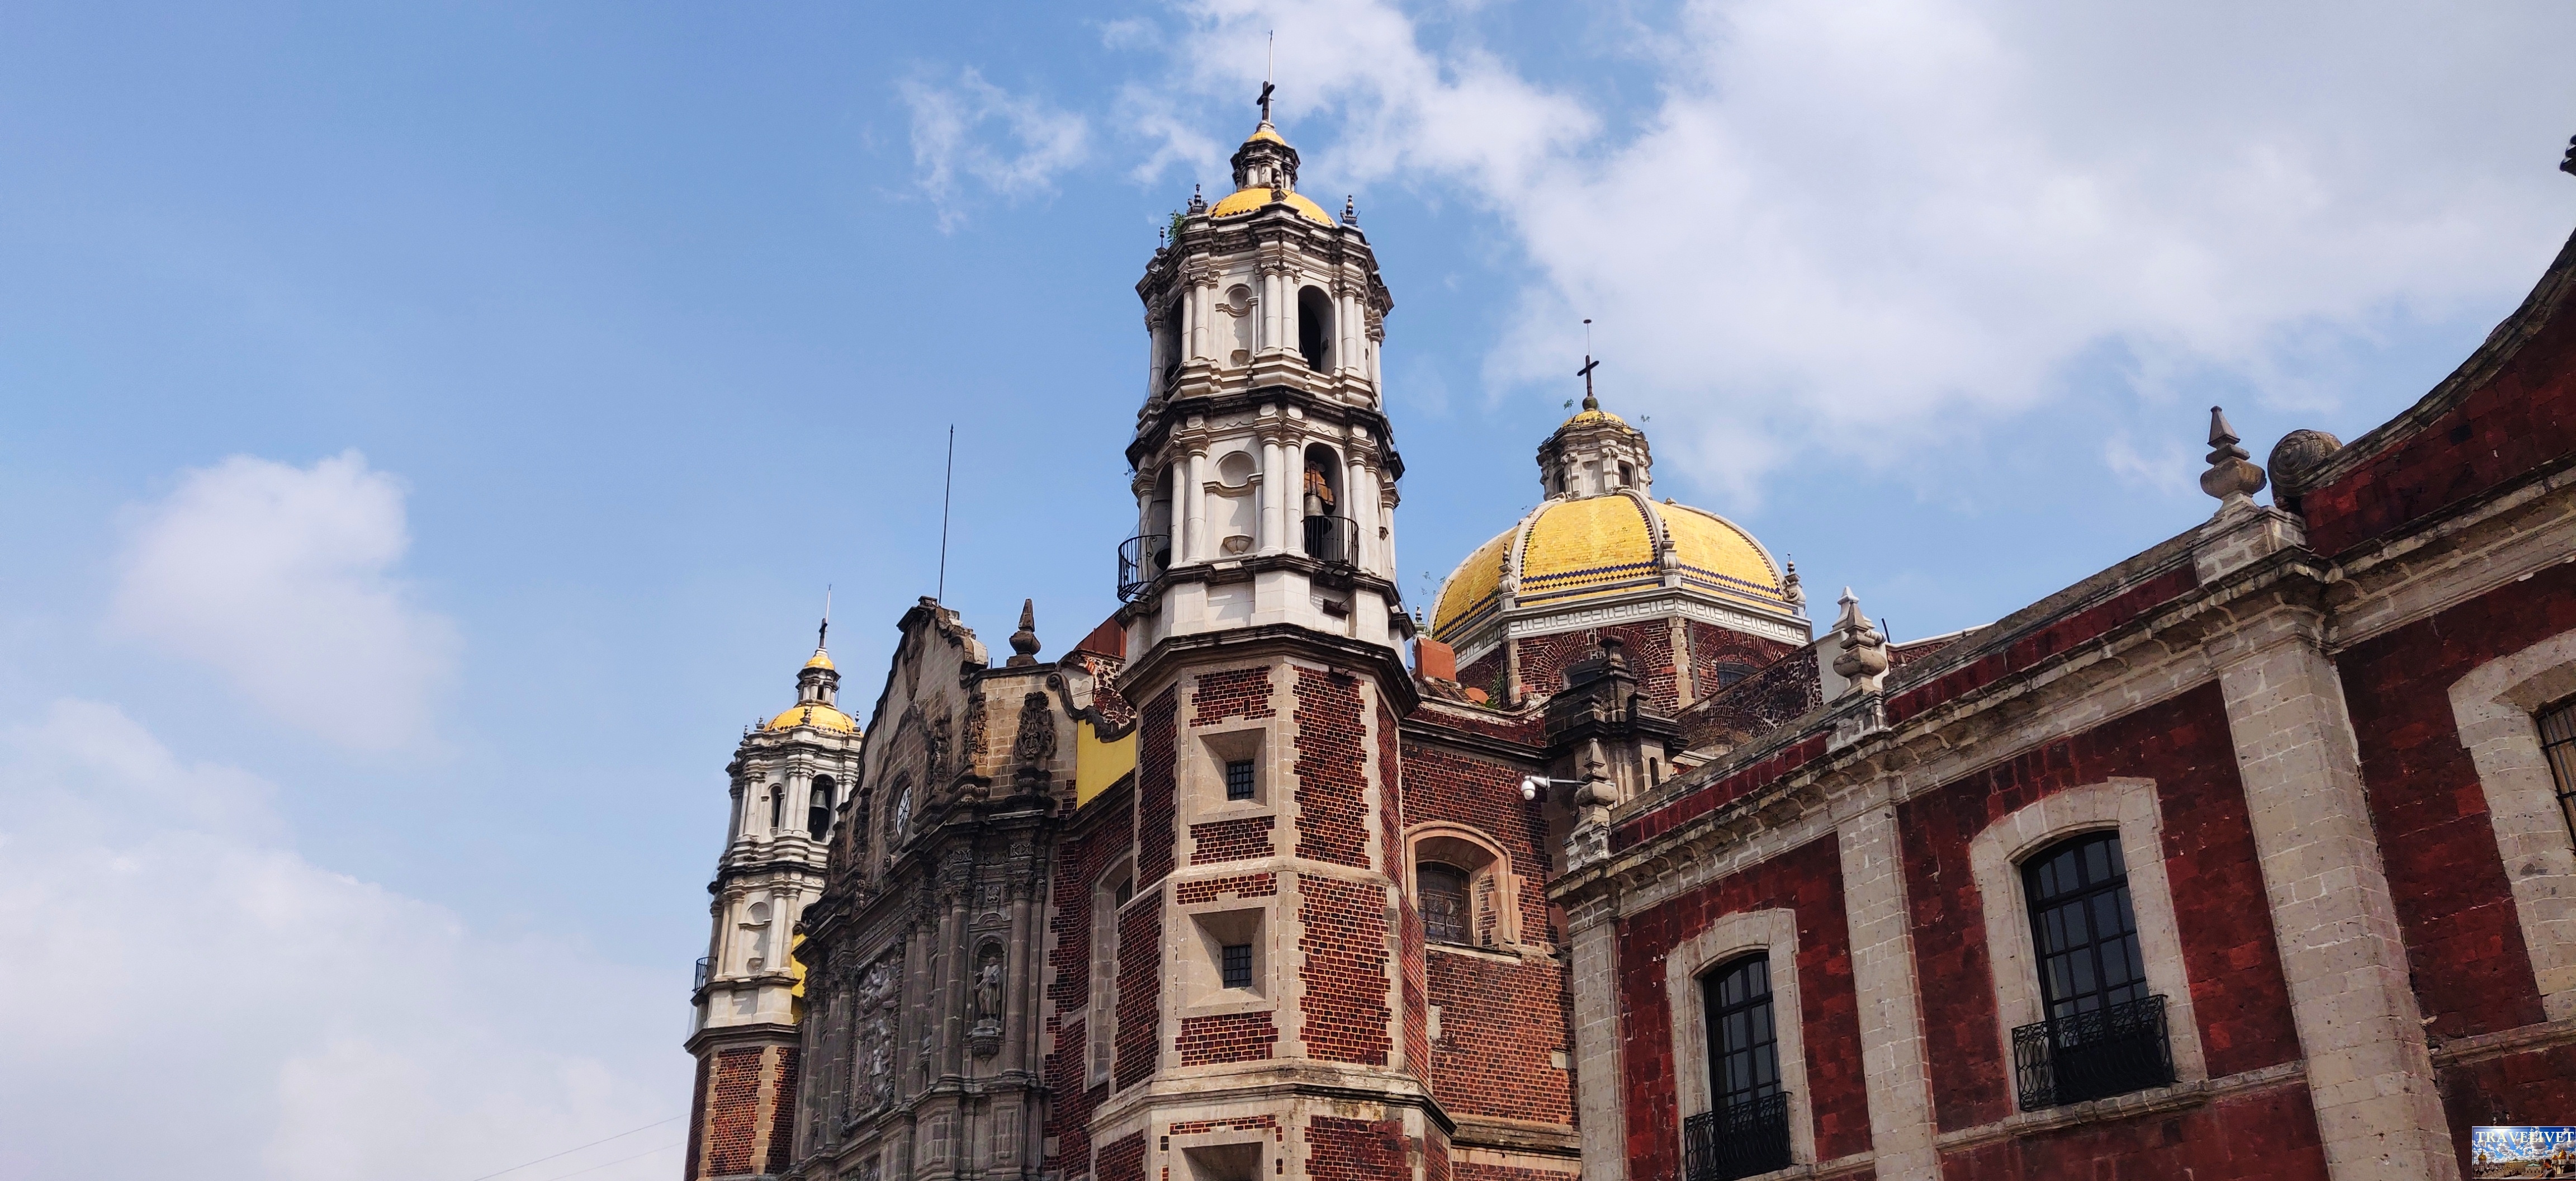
1155	787
2268	1135
1332	774
1236	693
1356	1150
1140	995
1344	970
1501	1022
1231	840
1226	1037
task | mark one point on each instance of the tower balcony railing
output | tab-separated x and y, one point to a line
1748	1138
1142	559
702	974
1334	541
2113	1050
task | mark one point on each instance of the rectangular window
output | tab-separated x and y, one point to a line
1238	965
2558	742
1238	779
2104	1034
1746	1130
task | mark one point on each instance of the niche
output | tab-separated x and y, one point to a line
1315	327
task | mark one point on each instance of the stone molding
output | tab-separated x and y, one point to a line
2495	706
2128	806
1775	934
2123	1107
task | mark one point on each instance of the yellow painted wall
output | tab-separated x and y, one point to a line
1099	765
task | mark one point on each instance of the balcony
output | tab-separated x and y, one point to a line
1748	1138
1334	541
702	975
1141	560
2110	1051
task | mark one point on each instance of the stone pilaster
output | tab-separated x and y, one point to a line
1891	1024
1600	1111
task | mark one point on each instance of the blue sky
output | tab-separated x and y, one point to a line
426	432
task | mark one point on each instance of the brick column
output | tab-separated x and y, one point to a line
1891	1021
2369	1075
1600	1113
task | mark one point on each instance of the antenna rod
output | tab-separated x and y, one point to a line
946	486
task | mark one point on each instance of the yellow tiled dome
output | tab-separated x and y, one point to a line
1243	201
821	717
821	659
1571	551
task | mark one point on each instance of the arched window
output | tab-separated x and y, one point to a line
818	811
1447	915
2103	1032
1315	327
1746	1130
777	805
1167	341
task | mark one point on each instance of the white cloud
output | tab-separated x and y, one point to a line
190	997
1012	144
282	578
1864	227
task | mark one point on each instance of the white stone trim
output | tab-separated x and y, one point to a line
2128	806
2495	707
1774	933
1892	1053
1600	1075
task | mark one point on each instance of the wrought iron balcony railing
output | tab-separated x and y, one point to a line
1334	541
1747	1138
702	975
2110	1051
1141	560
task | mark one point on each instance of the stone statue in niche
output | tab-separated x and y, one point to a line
874	1059
986	1035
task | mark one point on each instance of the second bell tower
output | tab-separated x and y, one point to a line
1257	1007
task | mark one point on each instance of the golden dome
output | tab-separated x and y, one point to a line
1573	551
1268	132
820	717
821	659
1587	417
1243	201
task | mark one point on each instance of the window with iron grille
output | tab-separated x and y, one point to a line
1237	965
2104	1033
1747	1129
1238	779
1445	913
2558	742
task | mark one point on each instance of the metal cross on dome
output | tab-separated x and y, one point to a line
1589	402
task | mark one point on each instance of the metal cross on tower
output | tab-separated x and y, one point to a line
1589	402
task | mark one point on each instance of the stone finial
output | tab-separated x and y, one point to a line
1024	642
2232	474
1789	587
1864	650
1350	210
2568	165
2298	454
1198	200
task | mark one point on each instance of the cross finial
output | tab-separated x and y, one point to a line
1269	59
1589	402
826	628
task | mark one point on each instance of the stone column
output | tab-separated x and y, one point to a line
1274	491
1197	497
951	1005
1599	1105
2369	1075
1355	506
1891	1024
1014	1002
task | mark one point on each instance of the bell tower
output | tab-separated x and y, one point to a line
788	781
1262	1011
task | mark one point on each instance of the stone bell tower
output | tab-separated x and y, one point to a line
788	778
1266	1015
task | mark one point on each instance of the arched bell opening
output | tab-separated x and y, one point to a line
1330	536
1315	328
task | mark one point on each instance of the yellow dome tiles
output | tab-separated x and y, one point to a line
1579	545
820	717
1470	595
821	659
1718	555
1243	201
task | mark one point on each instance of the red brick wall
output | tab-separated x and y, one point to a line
1459	788
1241	692
1079	864
1250	885
1354	1149
1486	674
2532	1088
1807	880
1711	646
2269	1135
1230	1123
1241	839
1499	1021
698	1114
1156	820
1344	947
2472	969
733	1116
2229	954
782	1121
1123	1159
1649	655
2522	417
1470	1171
1140	995
1226	1037
1331	767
